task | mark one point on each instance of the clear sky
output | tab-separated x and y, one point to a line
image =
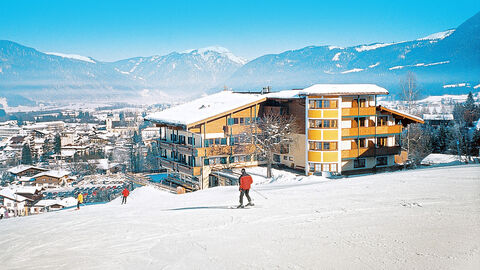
113	30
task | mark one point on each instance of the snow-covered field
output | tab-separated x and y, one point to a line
422	219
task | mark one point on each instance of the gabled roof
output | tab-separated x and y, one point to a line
11	194
205	108
53	173
21	168
402	115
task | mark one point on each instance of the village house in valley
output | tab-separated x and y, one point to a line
342	130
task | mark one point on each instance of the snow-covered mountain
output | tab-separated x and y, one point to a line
447	62
197	69
450	57
24	70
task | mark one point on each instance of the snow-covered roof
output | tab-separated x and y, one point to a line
447	116
11	194
344	89
68	152
21	168
403	114
204	108
53	173
70	201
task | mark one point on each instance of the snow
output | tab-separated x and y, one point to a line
454	85
21	168
204	107
407	114
442	159
336	57
396	67
222	102
372	46
66	202
418	219
73	56
10	193
439	35
53	173
217	49
345	89
374	65
333	47
476	86
420	65
447	116
352	70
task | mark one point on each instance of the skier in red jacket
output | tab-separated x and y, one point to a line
125	193
245	181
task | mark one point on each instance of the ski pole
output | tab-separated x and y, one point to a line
259	193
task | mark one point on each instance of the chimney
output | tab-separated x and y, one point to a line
266	90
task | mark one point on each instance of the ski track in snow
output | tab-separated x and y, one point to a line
426	219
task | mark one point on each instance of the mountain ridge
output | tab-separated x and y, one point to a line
439	59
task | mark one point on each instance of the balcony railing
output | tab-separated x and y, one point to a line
371	151
183	168
365	131
359	111
222	150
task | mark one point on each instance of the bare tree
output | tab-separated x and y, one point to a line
269	134
409	95
409	91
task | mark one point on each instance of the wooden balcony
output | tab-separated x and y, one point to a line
346	112
370	152
174	166
222	150
366	131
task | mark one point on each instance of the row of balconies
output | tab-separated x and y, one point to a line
365	131
371	151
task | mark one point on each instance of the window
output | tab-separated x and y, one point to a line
181	139
235	121
359	163
382	141
361	142
223	141
362	102
276	158
285	158
217	140
382	161
242	121
322	104
361	121
248	158
323	146
223	160
323	123
382	121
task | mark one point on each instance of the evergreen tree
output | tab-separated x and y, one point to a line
57	144
26	155
136	138
45	149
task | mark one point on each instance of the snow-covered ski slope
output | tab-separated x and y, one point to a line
419	219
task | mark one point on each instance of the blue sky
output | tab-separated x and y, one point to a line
113	30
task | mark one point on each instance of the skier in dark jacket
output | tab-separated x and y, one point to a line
245	181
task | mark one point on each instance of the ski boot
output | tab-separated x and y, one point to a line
241	206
